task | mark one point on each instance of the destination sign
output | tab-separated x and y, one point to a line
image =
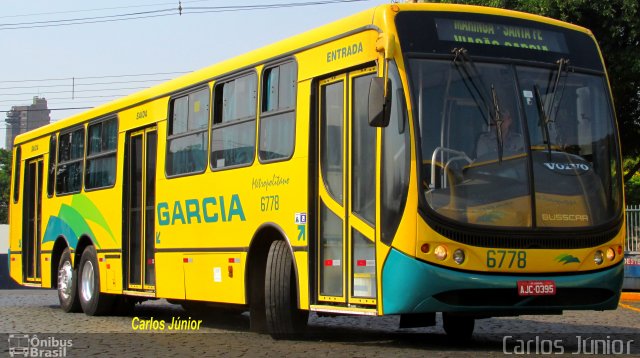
496	34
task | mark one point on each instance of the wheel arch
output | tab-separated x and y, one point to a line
83	242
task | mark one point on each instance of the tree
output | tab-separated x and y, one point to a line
616	26
5	184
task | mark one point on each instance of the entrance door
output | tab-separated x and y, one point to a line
140	189
31	221
347	190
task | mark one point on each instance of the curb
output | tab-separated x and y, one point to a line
630	296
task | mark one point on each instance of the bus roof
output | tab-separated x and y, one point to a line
376	17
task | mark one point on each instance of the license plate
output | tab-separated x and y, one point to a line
536	288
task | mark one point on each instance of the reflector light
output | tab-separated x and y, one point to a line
424	248
332	262
369	263
234	260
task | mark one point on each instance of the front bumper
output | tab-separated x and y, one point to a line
413	286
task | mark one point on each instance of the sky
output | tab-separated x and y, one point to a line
101	50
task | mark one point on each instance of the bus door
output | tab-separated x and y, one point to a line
140	190
347	192
31	221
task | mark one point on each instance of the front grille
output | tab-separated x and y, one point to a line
533	240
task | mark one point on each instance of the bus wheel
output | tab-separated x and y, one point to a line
284	319
68	284
458	327
93	302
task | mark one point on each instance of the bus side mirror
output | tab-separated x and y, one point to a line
379	104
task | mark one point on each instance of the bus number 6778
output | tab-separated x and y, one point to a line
506	258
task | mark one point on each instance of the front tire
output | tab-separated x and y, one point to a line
93	302
284	319
458	327
68	284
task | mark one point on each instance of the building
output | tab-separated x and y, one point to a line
22	119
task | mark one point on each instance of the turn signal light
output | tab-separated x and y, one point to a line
440	252
611	254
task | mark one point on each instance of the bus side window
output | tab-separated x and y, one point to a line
101	154
233	134
277	118
187	138
70	160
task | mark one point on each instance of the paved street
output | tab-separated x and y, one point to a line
35	313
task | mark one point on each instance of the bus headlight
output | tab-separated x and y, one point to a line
611	254
458	256
597	258
440	252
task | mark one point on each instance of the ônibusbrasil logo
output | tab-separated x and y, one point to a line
32	346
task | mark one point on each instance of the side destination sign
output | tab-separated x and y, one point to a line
495	34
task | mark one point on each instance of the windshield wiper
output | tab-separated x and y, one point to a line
544	120
562	66
471	77
546	110
498	118
490	102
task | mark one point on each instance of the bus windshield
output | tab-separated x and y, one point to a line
515	146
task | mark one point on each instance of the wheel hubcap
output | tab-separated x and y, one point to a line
87	281
65	279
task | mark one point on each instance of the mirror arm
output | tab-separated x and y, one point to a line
385	45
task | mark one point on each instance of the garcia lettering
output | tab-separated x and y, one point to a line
195	211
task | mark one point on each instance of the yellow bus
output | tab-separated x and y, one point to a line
412	160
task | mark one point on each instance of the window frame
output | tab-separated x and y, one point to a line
101	153
53	163
265	114
17	168
187	133
217	112
82	159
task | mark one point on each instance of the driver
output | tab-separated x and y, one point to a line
512	141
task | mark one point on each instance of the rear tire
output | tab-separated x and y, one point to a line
284	319
93	302
458	327
123	305
68	284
